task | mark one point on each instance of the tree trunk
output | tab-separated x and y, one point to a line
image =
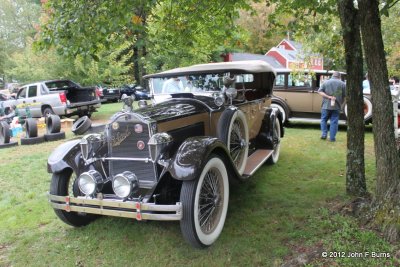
387	160
355	167
136	64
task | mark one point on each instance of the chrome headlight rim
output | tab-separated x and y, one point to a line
90	182
125	184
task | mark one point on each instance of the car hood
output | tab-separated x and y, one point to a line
176	108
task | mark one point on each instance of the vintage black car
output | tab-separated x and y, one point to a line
173	160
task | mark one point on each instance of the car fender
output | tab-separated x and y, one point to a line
66	155
265	136
192	155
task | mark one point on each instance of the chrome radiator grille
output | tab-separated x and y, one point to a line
123	143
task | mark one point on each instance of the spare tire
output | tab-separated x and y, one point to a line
31	128
81	125
53	124
54	136
32	140
4	133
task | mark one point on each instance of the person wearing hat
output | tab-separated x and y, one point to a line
333	94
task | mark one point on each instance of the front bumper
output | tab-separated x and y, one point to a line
118	208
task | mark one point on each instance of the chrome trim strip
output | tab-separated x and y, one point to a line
146	160
132	209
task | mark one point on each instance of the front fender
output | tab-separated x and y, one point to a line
192	155
66	155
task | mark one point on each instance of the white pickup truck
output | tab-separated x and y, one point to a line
61	97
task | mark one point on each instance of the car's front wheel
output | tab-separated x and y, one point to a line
63	184
232	129
205	204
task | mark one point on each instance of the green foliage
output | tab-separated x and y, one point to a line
187	32
259	34
19	20
391	37
31	65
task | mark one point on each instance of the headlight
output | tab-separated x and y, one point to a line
124	184
90	182
219	99
158	143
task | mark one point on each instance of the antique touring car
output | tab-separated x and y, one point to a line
173	160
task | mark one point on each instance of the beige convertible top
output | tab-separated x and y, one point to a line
249	66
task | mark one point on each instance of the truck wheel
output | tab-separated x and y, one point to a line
54	136
205	204
63	184
81	125
4	133
233	131
53	124
31	128
47	112
32	140
277	143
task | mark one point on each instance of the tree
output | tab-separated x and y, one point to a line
186	32
260	33
350	21
18	21
387	160
82	27
306	12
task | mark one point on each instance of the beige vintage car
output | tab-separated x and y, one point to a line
296	95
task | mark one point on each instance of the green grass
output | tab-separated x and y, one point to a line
279	213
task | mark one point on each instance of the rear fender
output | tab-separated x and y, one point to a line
67	155
265	136
189	160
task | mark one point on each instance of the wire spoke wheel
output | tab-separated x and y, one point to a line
232	129
205	204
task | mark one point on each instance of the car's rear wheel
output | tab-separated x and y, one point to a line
63	184
232	129
367	108
205	204
276	138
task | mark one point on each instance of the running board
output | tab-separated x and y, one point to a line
256	160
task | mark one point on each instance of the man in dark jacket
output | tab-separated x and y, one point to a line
333	93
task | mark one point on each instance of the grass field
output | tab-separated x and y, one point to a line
283	211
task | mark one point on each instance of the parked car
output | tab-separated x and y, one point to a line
61	97
109	93
173	161
296	95
136	91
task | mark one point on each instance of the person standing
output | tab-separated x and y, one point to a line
333	93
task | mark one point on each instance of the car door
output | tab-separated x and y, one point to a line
296	90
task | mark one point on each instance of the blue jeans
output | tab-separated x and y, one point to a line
333	116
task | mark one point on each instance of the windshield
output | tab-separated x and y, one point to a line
188	84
